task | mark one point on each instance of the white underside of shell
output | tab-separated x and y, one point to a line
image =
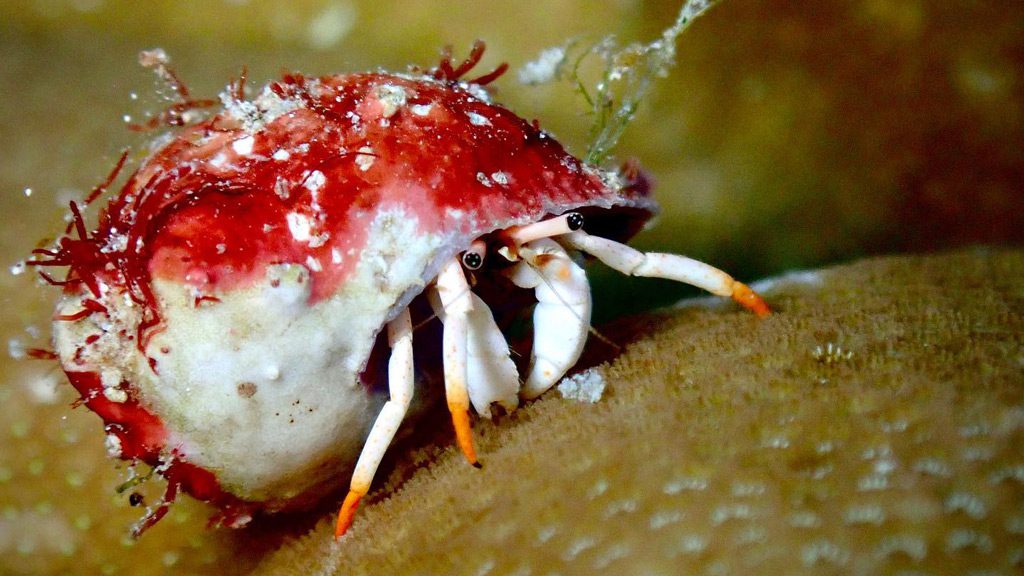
262	388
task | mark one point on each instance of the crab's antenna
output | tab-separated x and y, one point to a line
433	315
425	321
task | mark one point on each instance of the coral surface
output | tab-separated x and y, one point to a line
874	424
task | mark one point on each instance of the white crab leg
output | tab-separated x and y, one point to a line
561	319
453	291
491	374
669	266
400	386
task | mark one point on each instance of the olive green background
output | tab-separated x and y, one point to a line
790	135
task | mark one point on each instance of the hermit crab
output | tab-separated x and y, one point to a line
222	314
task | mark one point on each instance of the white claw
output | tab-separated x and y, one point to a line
491	374
561	320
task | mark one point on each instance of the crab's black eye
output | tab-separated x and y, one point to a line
472	260
574	220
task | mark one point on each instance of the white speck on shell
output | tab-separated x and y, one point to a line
319	240
110	378
299	225
502	178
115	243
281	155
111	381
391	98
365	158
478	119
476	91
281	188
113	445
421	109
115	395
243	146
315	181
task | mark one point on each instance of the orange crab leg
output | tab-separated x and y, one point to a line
347	513
464	434
744	296
453	292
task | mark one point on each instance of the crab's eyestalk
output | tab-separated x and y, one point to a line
564	224
473	259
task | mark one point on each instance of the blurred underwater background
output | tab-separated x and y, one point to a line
788	136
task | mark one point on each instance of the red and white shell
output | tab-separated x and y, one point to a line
220	315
